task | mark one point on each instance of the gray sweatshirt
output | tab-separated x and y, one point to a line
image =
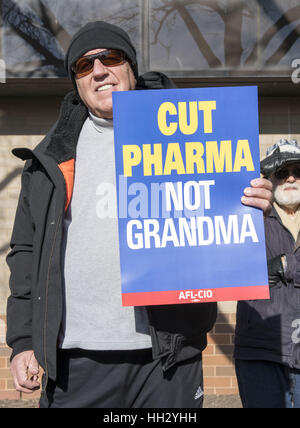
93	314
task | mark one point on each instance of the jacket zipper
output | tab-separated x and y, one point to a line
47	282
46	302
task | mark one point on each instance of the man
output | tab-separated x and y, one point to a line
267	349
65	311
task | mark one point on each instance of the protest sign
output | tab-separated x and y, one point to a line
183	159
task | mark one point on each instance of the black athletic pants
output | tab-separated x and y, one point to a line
122	379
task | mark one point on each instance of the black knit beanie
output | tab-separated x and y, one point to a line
96	35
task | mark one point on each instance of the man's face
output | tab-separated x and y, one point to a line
96	88
286	184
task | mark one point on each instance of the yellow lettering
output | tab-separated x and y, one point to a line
162	118
198	158
218	159
193	154
152	159
132	156
174	159
207	107
186	128
243	156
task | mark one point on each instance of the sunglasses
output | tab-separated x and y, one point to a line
109	58
284	173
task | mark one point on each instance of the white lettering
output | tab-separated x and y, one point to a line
182	232
195	295
251	232
188	196
221	230
201	221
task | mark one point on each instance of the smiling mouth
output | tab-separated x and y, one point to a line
104	88
290	188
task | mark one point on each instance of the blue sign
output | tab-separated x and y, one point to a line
183	159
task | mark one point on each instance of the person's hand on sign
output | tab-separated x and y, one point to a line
259	195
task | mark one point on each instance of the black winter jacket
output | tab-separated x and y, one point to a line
34	309
270	329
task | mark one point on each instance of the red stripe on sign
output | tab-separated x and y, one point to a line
195	296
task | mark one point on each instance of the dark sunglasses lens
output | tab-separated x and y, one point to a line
281	175
285	173
111	58
296	172
83	66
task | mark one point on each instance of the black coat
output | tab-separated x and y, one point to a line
270	329
34	310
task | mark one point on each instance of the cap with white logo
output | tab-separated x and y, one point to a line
279	155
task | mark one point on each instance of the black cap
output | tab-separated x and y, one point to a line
279	155
99	34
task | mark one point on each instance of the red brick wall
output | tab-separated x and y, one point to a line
218	366
219	374
7	390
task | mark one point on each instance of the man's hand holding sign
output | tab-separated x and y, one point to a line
259	195
184	234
